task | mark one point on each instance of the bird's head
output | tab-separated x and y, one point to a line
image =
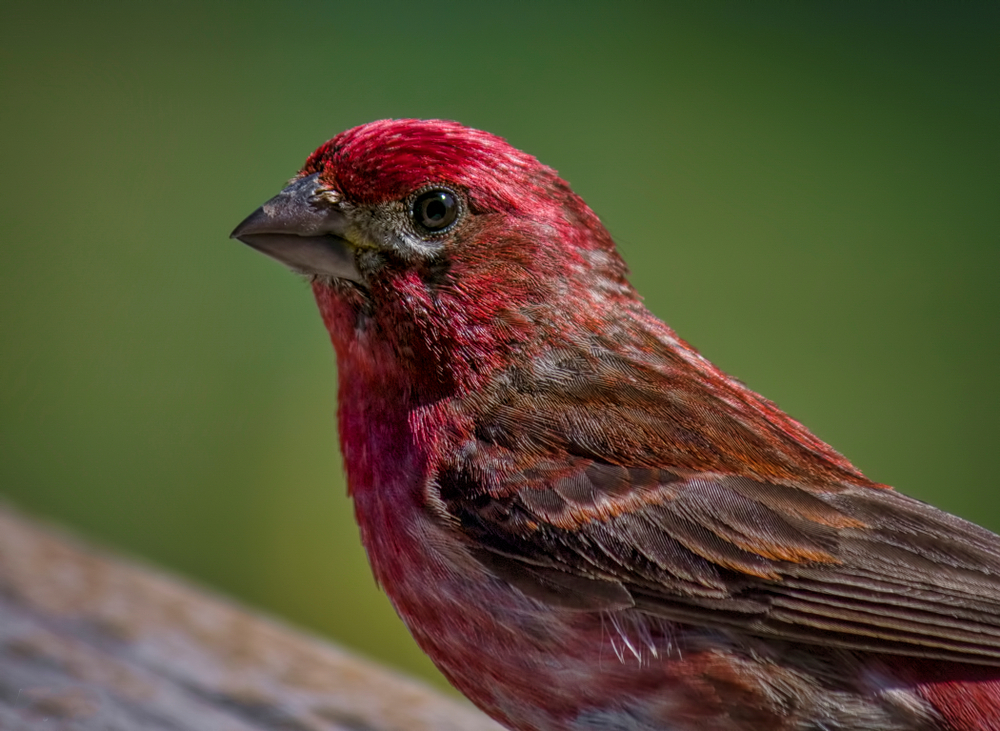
439	239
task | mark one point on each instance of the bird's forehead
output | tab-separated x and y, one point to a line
390	159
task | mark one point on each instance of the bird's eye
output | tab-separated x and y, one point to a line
435	210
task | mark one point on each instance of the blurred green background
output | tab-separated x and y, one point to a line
810	193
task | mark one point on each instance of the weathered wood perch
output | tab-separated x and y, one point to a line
89	641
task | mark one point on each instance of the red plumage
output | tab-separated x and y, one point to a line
583	522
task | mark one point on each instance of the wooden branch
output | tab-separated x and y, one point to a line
89	641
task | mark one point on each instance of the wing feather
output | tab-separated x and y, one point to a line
859	567
616	473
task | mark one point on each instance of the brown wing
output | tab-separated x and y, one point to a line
860	567
600	480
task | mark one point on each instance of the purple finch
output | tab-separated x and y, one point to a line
585	524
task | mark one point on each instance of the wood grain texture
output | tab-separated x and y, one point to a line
90	641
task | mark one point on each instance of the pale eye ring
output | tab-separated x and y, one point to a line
435	210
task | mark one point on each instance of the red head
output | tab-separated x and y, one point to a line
459	246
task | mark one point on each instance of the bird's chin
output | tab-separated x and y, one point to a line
323	256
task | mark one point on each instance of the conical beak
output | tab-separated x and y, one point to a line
303	230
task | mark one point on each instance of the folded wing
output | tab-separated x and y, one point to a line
858	567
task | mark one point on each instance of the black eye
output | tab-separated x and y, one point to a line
435	210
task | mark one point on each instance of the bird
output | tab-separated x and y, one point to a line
584	523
